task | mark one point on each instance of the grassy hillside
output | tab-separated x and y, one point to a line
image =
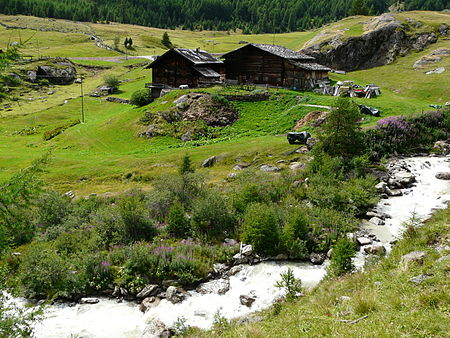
394	306
105	154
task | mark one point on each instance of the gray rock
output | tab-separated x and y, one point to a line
89	300
249	320
247	300
247	250
281	257
311	142
317	258
443	258
218	286
181	100
155	329
443	176
220	267
404	178
381	187
232	175
174	295
148	303
235	270
149	290
363	241
117	100
187	136
419	279
62	73
269	168
375	249
294	166
376	221
230	242
209	162
414	256
442	147
31	76
240	259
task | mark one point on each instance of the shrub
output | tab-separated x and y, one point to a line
211	218
137	225
159	203
108	224
52	209
261	228
141	98
112	81
341	257
291	285
295	233
178	223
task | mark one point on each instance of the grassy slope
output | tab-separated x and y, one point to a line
395	306
106	148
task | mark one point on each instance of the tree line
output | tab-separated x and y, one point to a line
252	16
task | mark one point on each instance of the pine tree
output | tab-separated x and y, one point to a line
186	166
166	40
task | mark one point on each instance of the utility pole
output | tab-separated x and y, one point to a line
82	99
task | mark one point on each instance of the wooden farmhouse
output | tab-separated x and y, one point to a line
275	66
186	67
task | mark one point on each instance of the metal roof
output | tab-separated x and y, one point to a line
197	56
280	51
207	72
311	66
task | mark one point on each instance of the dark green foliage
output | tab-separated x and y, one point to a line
341	257
178	224
141	98
252	16
52	209
166	41
358	8
211	217
17	196
340	135
112	81
186	165
261	228
295	233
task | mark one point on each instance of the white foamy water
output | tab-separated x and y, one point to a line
111	319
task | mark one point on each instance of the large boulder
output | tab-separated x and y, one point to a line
375	249
218	286
209	162
442	147
317	258
412	257
61	73
443	176
175	295
149	290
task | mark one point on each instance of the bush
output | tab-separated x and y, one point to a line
112	81
211	218
261	228
141	98
178	223
52	209
290	284
341	257
295	233
137	225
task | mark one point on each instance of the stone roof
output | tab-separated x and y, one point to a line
280	51
207	72
311	66
197	56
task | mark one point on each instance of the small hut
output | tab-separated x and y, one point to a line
273	65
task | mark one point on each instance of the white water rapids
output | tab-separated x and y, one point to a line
111	319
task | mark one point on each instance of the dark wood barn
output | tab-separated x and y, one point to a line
192	67
275	66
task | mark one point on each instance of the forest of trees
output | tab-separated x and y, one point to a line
252	16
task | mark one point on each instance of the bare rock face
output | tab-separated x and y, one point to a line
61	73
385	40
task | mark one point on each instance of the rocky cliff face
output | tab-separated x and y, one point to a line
381	45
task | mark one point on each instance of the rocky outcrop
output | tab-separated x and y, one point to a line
381	45
61	73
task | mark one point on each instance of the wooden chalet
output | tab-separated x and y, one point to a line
273	65
186	67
